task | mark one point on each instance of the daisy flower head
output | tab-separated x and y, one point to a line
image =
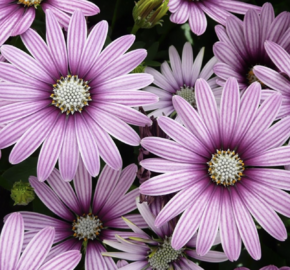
18	15
241	44
36	250
277	78
217	163
179	79
70	97
194	12
148	252
83	223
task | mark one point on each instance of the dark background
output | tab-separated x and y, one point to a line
156	40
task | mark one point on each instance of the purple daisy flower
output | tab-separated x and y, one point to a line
83	222
277	78
241	44
269	267
217	163
18	15
179	79
51	89
150	252
194	12
36	251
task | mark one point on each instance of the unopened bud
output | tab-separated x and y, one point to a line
139	69
22	193
148	13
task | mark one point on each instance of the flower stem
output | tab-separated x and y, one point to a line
135	29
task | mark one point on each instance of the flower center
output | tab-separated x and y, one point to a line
71	94
225	168
187	93
30	3
161	257
87	227
252	78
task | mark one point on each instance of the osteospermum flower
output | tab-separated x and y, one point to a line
149	252
70	97
277	78
179	79
82	222
269	267
241	44
194	12
33	256
18	15
216	163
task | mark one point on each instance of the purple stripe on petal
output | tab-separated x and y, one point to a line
94	257
76	38
196	67
24	22
181	15
181	135
106	184
171	150
221	34
50	199
230	237
64	261
276	198
211	256
279	156
128	98
107	147
247	112
87	145
252	32
92	47
50	149
64	191
14	130
209	223
190	219
214	11
197	20
229	110
175	62
225	71
112	52
69	155
246	226
11	241
238	7
36	251
62	17
207	108
83	187
279	25
272	177
32	138
186	63
161	165
35	221
115	126
38	48
56	43
278	55
26	63
264	214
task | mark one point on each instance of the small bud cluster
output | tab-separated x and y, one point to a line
22	193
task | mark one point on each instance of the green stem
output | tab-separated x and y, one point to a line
135	29
115	14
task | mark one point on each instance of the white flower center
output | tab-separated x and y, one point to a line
187	93
225	168
30	3
87	227
71	94
161	257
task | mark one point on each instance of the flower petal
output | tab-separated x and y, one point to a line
197	20
24	22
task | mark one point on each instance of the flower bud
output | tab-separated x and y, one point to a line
148	13
22	193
